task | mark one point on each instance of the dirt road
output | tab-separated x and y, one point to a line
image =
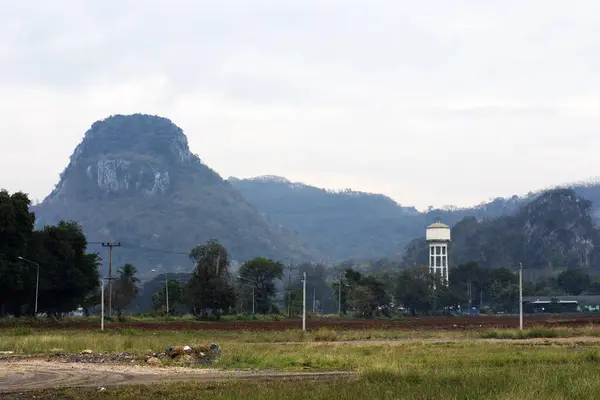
26	375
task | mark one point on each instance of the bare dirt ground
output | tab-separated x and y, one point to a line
31	374
413	323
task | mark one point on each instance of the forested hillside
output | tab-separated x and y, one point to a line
350	224
133	180
554	231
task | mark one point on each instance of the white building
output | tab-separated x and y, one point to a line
438	238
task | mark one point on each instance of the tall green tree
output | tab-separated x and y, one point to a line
414	290
293	302
573	281
68	274
17	279
261	273
209	290
347	278
159	299
126	288
317	288
369	297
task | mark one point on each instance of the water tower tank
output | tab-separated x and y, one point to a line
438	232
438	238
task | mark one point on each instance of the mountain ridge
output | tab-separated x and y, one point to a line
302	207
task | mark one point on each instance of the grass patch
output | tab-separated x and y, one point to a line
539	332
417	369
310	351
572	381
325	335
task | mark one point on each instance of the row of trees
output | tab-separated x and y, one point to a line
68	274
349	289
69	278
211	289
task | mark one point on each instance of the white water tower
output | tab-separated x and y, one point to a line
438	239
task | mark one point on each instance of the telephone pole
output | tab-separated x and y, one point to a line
167	291
289	269
340	297
304	302
520	296
110	246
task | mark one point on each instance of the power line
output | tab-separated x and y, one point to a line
134	247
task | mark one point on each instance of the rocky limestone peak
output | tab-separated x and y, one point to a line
138	133
125	154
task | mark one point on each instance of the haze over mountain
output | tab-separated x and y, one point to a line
351	224
133	180
556	230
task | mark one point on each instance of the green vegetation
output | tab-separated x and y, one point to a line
134	180
577	381
126	288
248	349
245	344
404	369
554	231
261	273
362	226
56	254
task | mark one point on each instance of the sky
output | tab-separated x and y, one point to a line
437	102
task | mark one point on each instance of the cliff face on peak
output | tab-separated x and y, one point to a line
133	179
128	155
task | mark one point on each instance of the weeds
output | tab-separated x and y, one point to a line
325	335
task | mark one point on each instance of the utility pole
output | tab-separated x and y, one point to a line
340	297
304	303
167	291
520	296
289	294
470	296
110	246
37	281
102	304
314	298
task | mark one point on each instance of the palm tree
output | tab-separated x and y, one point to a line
127	287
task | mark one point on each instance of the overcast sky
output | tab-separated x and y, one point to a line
430	102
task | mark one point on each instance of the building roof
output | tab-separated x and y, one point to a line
582	299
438	224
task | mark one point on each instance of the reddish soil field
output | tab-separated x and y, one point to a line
423	323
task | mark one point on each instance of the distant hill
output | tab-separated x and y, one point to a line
133	179
350	224
555	230
342	225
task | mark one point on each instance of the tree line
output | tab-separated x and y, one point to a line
68	274
53	269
